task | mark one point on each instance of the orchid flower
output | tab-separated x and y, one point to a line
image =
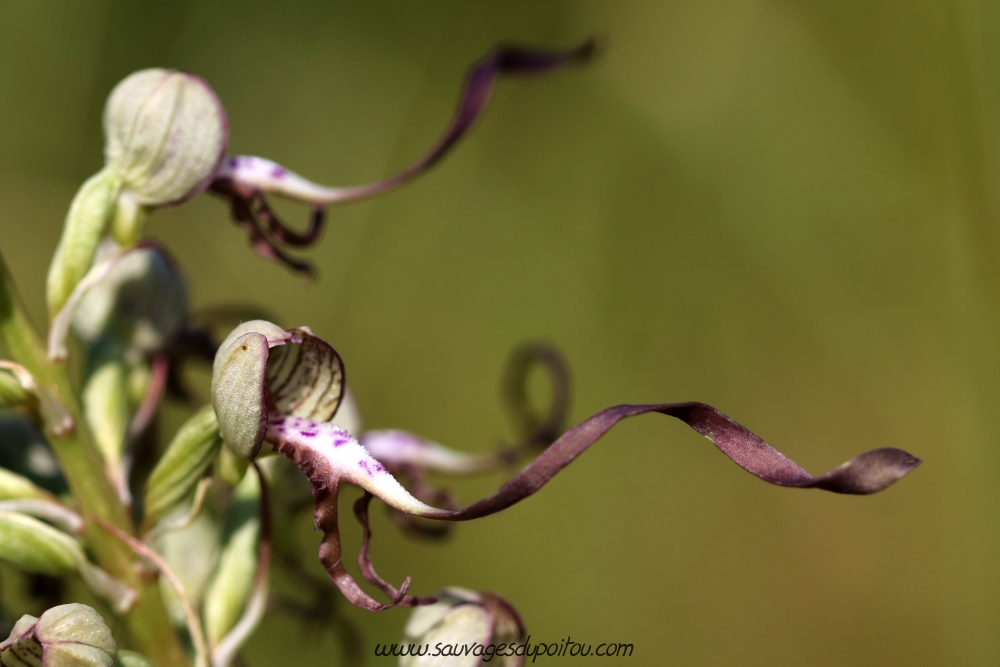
166	139
282	387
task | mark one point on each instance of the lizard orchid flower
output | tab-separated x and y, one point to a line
166	134
283	387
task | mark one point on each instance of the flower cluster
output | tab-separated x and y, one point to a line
185	534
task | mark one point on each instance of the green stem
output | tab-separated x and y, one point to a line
83	466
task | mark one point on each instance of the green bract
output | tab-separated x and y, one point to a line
70	635
304	378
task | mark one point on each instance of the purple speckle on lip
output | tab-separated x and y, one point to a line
364	466
379	467
307	434
338	441
278	172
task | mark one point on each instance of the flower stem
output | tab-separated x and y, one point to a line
83	466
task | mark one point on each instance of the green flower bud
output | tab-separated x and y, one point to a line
16	487
70	635
166	134
233	582
37	547
86	224
12	393
303	377
184	463
463	617
141	302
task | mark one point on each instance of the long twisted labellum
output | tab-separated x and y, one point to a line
245	180
329	455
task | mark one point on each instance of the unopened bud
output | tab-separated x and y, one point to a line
465	618
36	547
181	467
16	487
141	302
234	577
166	133
70	635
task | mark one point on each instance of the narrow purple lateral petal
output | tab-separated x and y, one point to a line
867	473
368	569
325	488
242	210
282	233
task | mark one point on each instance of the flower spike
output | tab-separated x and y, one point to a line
246	180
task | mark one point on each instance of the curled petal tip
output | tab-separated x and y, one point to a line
868	473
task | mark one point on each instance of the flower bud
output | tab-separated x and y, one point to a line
16	487
12	391
303	377
166	133
465	618
141	302
184	463
36	547
230	588
70	635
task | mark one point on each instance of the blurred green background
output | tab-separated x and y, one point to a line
785	209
